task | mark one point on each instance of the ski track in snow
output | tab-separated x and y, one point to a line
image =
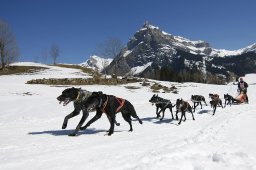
32	138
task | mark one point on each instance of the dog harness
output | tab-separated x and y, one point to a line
83	95
104	105
121	102
183	105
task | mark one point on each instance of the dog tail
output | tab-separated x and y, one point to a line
137	117
133	112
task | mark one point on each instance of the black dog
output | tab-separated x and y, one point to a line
228	99
198	99
78	96
162	104
110	105
183	106
215	101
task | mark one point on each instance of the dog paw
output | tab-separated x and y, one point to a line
109	134
64	126
83	128
72	134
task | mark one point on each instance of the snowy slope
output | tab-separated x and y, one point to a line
32	138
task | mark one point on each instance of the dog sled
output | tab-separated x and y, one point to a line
241	98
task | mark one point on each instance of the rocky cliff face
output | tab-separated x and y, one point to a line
153	53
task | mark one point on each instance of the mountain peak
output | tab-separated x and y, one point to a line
96	63
147	25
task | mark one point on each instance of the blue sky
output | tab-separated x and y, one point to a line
77	26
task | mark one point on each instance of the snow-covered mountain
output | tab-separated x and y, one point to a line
96	63
153	53
224	53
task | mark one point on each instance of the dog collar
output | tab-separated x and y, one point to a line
78	96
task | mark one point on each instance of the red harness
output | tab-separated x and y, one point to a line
119	100
104	105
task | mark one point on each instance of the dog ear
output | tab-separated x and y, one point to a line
98	93
94	93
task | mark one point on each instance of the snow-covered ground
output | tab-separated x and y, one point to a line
31	137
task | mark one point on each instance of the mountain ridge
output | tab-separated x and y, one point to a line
153	53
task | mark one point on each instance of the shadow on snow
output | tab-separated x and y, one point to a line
205	111
157	120
67	132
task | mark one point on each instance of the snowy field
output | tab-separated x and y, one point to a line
31	137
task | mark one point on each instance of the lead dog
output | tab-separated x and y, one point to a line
79	97
183	106
110	105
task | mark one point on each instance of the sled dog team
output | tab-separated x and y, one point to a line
86	102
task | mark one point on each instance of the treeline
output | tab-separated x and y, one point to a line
165	74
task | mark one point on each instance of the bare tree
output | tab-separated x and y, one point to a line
45	54
9	51
54	52
109	49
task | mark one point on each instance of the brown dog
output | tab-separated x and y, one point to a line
183	106
215	101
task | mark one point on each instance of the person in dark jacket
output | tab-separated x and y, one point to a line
242	87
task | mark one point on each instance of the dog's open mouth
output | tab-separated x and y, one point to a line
65	102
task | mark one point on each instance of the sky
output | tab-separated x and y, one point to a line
78	26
